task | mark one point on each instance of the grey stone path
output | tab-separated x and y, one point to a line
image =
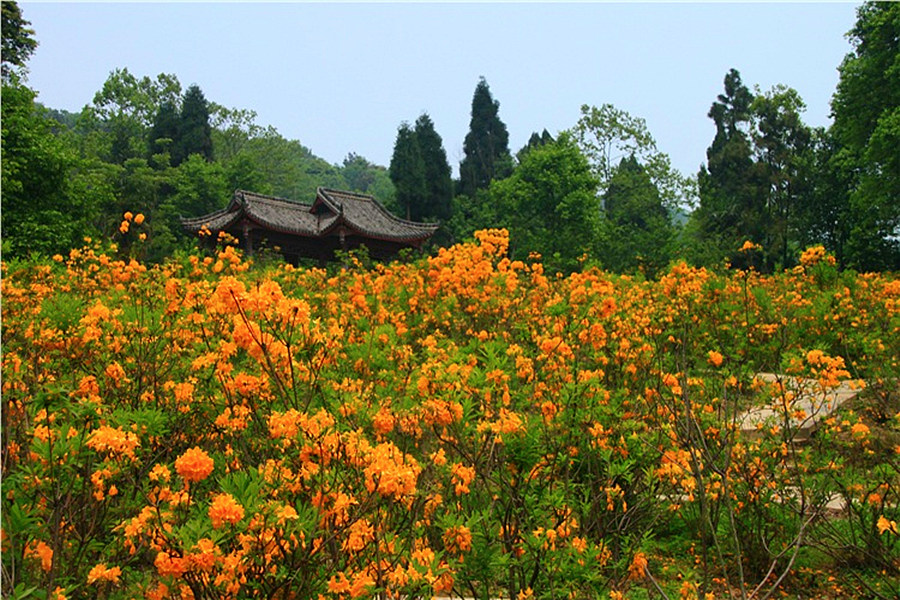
810	406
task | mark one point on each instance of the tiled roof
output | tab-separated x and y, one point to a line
357	212
365	215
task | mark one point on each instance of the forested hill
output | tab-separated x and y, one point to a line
601	192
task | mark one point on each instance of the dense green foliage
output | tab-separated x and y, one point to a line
40	210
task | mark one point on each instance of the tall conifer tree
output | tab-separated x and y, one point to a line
438	182
164	133
486	146
407	172
732	201
194	130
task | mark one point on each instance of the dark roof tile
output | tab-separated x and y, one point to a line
357	212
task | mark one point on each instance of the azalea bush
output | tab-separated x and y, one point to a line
461	424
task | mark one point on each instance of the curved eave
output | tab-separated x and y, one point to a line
417	236
410	231
218	220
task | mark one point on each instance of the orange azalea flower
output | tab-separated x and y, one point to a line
715	358
115	372
205	555
101	573
462	477
391	472
458	539
860	430
548	410
194	465
159	473
383	421
361	584
339	584
361	533
638	567
814	255
42	551
138	218
113	441
886	525
225	509
168	565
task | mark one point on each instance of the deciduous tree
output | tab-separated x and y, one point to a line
38	215
636	232
866	109
606	135
122	113
549	204
18	40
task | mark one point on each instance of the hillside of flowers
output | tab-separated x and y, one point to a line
459	425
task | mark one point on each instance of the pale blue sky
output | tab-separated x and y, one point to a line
340	78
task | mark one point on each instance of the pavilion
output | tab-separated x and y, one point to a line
335	221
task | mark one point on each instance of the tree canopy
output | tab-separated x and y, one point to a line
866	109
194	131
438	181
549	204
18	43
636	233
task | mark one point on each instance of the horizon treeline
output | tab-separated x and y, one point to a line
599	193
